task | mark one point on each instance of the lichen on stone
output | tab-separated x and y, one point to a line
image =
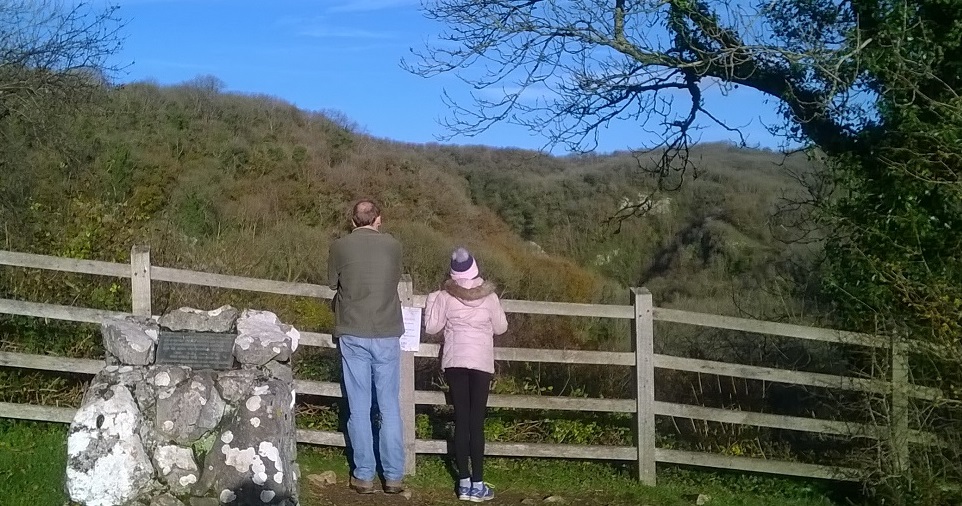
227	496
237	458
162	379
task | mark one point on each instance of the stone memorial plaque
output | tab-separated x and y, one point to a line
197	350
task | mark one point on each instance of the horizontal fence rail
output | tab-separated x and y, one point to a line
49	263
556	403
769	328
643	406
430	350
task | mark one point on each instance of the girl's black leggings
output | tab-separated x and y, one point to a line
469	393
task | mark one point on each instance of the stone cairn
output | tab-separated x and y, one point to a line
168	435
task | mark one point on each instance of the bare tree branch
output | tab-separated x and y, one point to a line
53	55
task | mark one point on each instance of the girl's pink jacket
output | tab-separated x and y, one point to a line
470	314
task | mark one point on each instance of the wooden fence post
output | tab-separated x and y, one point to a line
406	293
140	280
642	333
899	413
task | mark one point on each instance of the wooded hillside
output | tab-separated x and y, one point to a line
250	185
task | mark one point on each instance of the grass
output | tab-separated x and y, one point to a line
591	482
33	459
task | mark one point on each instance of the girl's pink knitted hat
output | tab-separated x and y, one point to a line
463	265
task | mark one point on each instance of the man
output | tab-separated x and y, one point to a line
364	268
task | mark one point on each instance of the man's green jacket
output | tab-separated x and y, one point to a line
364	268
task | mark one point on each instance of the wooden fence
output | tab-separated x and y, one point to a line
642	314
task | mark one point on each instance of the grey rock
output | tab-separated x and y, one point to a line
176	467
252	319
702	499
217	320
130	375
528	500
235	385
131	343
555	499
151	437
158	378
259	349
106	460
256	453
325	479
166	500
206	501
280	371
101	386
261	337
143	393
191	409
164	376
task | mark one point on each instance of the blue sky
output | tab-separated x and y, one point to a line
344	55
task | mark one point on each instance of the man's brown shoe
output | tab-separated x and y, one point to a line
362	486
393	487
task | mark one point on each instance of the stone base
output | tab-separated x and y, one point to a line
164	435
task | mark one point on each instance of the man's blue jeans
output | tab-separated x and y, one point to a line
366	359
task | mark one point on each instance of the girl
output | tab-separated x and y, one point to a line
469	311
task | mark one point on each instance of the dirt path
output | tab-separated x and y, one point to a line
340	495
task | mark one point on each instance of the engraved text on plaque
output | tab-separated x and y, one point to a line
197	350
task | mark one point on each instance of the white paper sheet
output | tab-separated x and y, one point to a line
411	340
